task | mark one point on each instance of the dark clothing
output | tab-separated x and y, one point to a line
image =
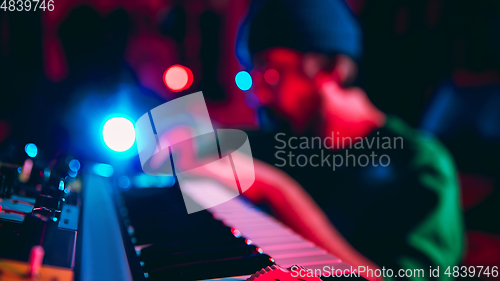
402	216
467	117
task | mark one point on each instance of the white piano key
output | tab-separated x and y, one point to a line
278	232
307	260
273	237
290	253
252	218
240	213
241	216
250	226
263	241
287	246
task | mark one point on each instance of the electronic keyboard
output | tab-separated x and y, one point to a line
230	241
141	231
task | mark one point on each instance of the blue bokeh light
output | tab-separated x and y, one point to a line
251	100
31	150
72	174
243	80
103	170
146	181
74	165
124	182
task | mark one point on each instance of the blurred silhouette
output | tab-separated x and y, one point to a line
464	113
402	214
20	75
100	84
210	27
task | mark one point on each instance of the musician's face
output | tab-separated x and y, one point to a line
284	88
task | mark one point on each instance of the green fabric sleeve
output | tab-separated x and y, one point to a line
438	239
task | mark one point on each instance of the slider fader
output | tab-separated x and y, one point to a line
39	213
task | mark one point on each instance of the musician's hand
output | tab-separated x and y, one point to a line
221	170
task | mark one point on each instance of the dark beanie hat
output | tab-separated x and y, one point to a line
322	26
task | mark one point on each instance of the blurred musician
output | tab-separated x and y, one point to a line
400	215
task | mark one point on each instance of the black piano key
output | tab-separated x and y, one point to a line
215	268
164	222
156	235
198	255
187	245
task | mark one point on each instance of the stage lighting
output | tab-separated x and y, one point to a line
118	134
243	80
178	78
31	150
103	170
271	76
74	165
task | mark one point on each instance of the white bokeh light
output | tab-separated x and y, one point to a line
119	134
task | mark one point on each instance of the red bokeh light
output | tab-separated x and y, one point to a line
271	76
178	78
